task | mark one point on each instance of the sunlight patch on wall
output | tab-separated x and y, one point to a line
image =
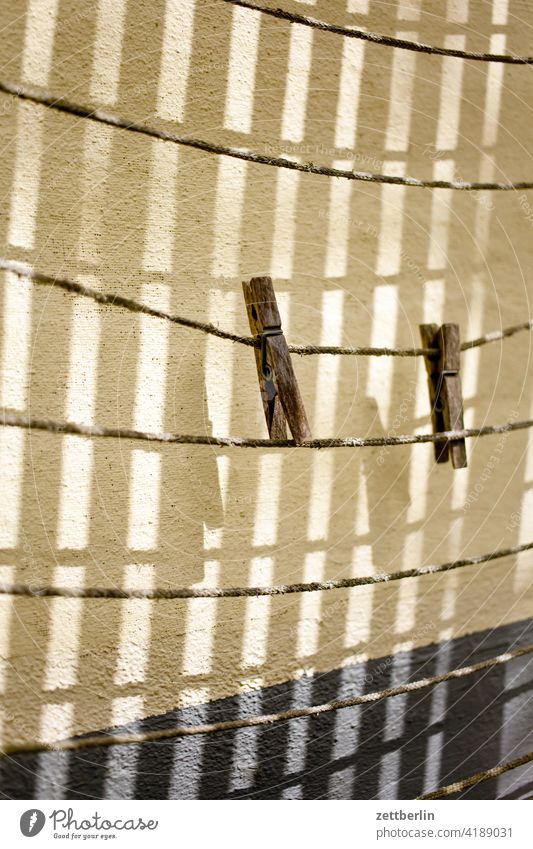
12	444
439	228
65	615
56	724
200	622
345	742
145	475
145	482
295	752
499	12
77	457
528	473
133	649
390	768
522	576
195	696
161	216
16	341
41	18
381	369
7	574
419	470
407	607
439	699
56	721
520	521
176	52
358	7
353	53
439	695
461	480
223	307
451	86
257	614
213	536
457	11
231	183
362	559
297	83
310	606
245	749
284	306
241	71
26	178
121	761
325	414
178	789
283	241
433	759
338	240
107	53
267	499
493	96
359	615
401	96
392	218
293	791
219	394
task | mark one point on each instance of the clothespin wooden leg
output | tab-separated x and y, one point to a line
445	393
430	339
282	401
452	396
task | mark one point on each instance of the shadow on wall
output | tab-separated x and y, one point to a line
353	263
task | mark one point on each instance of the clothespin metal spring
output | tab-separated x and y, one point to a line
438	405
270	386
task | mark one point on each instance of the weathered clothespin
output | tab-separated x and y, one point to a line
444	384
282	401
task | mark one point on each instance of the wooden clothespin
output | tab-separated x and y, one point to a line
444	384
282	401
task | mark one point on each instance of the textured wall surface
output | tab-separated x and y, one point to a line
397	749
353	263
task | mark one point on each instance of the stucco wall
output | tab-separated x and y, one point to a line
352	263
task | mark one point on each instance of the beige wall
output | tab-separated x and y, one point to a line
353	264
